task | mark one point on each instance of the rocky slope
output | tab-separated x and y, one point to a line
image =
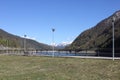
100	36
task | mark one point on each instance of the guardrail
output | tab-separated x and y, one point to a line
85	52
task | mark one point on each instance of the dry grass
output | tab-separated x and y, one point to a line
48	68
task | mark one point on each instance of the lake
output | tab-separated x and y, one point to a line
63	53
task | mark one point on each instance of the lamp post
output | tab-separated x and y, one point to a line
53	30
113	34
25	43
7	47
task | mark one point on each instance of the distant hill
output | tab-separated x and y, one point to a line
99	37
13	41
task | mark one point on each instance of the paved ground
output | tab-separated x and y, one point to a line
93	57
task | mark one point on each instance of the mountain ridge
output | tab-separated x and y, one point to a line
10	40
99	36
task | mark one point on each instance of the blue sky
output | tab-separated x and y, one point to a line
35	18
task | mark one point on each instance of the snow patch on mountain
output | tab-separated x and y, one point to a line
63	45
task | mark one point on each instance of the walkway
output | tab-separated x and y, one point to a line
93	57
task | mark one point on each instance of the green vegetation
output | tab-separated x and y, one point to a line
8	43
48	68
3	42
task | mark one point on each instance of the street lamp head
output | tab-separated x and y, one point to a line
25	35
113	19
53	29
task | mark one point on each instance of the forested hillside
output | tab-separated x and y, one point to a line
100	36
13	41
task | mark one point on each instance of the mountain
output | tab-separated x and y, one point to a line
99	37
13	41
63	45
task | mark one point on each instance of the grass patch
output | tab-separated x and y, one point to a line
48	68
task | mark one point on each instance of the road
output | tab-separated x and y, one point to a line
93	57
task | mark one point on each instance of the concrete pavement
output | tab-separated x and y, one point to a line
93	57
